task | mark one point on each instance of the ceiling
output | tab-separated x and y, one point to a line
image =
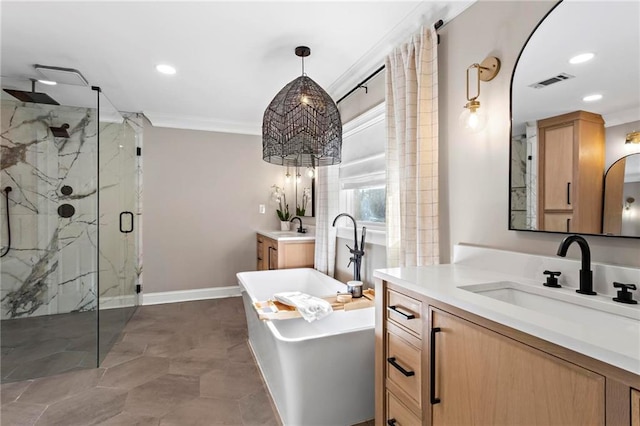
609	29
231	57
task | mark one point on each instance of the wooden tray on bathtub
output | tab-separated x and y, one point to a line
274	310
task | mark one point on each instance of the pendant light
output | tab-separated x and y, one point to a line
301	126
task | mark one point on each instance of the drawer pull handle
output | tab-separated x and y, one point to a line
393	362
405	315
392	422
432	376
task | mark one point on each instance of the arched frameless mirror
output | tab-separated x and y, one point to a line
621	210
570	113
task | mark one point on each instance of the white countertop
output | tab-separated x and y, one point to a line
620	348
292	235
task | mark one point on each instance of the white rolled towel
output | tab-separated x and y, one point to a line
311	308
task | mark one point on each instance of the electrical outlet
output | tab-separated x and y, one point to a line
261	209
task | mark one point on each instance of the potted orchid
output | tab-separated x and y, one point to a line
278	195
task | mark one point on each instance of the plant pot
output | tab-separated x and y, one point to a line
285	225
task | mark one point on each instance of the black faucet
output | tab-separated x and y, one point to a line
355	251
300	229
586	276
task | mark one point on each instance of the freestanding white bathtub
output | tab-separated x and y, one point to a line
319	373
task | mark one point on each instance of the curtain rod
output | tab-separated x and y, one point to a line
437	25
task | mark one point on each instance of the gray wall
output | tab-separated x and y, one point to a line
202	189
201	196
474	168
616	148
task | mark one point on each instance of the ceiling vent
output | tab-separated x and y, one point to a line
549	81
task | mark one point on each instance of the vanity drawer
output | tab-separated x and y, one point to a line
404	311
403	362
398	414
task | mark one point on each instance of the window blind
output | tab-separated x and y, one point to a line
363	151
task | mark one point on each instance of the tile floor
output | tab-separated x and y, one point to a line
53	344
174	364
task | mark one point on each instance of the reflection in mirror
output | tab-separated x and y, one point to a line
305	192
622	190
562	143
299	186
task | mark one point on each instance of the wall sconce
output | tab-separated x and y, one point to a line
287	176
472	118
633	137
311	172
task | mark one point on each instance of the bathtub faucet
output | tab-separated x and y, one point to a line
356	252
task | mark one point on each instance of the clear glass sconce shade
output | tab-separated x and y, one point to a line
310	172
473	120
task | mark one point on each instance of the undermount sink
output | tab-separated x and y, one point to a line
562	303
288	233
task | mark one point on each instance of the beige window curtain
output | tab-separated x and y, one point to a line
412	152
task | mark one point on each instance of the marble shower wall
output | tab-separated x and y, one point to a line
518	182
531	176
51	267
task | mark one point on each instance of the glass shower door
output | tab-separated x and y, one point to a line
48	282
119	229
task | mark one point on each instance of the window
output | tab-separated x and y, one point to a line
362	171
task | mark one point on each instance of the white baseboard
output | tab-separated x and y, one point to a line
189	295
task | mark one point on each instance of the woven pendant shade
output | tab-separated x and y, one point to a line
302	127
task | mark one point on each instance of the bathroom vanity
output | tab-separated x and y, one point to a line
284	250
475	342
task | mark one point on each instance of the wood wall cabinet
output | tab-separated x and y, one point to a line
571	150
274	254
457	368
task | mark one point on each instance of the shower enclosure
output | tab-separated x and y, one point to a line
72	265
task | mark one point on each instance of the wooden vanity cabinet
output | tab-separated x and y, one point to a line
571	153
474	371
635	407
274	254
483	377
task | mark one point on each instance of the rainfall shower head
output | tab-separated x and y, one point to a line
32	96
60	132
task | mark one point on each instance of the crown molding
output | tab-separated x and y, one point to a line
160	119
426	13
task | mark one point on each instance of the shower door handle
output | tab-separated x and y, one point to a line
130	214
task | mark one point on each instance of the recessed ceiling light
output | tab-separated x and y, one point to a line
592	98
49	82
583	57
165	69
